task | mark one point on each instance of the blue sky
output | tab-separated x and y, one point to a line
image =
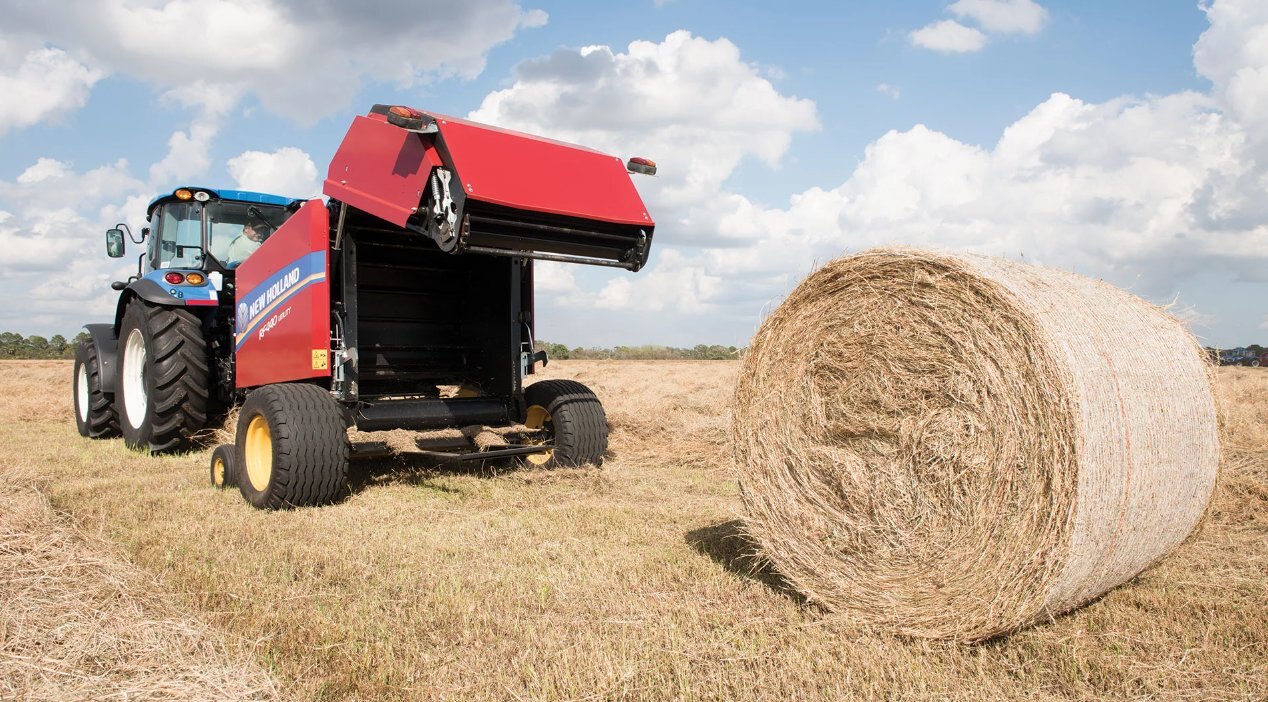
1124	140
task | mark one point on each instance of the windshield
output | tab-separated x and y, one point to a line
180	239
236	229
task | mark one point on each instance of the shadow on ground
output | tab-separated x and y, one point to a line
728	546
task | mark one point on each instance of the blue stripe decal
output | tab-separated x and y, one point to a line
275	290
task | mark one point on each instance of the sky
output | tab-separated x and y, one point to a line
1126	141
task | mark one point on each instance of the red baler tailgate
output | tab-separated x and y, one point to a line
381	169
282	316
526	172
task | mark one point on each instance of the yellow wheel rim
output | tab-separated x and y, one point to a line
218	472
538	418
259	453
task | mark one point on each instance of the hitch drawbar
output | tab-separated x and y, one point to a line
478	189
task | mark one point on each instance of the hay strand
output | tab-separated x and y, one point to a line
954	446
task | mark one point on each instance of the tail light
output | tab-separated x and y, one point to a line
646	166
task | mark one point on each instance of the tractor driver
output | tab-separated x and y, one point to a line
245	244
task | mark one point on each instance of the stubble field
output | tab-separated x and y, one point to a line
127	576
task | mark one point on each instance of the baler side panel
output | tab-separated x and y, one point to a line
381	169
516	170
282	315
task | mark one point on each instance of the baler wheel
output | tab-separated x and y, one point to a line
95	417
224	466
161	396
573	420
294	447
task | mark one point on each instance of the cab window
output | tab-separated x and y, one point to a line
180	236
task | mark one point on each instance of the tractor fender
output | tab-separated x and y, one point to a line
147	290
105	338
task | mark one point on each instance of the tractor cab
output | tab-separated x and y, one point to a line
205	230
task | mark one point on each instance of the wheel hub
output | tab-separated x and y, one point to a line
258	453
539	418
81	392
135	397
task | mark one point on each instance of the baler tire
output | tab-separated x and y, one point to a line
95	417
224	466
574	421
292	443
174	374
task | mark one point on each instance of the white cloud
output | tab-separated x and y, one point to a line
232	36
1003	16
991	16
54	249
47	83
1190	315
948	36
675	284
43	169
1264	324
690	104
1233	54
892	92
1112	189
550	278
189	150
44	228
1145	192
287	171
533	19
188	155
300	59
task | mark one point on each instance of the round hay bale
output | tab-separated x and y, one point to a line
955	446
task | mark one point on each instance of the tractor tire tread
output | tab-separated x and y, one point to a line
103	422
180	377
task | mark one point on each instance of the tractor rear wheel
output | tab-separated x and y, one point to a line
95	417
293	445
161	396
573	420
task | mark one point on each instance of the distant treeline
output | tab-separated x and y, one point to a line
57	346
649	352
35	346
14	345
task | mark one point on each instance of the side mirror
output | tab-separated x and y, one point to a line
114	243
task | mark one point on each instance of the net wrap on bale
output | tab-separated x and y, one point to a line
955	446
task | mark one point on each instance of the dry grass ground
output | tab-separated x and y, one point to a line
628	582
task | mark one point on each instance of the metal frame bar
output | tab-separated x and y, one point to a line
562	258
482	455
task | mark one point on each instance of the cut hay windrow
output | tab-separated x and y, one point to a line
956	446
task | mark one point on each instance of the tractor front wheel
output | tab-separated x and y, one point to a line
572	419
293	446
95	417
161	396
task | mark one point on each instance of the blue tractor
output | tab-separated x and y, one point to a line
165	364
